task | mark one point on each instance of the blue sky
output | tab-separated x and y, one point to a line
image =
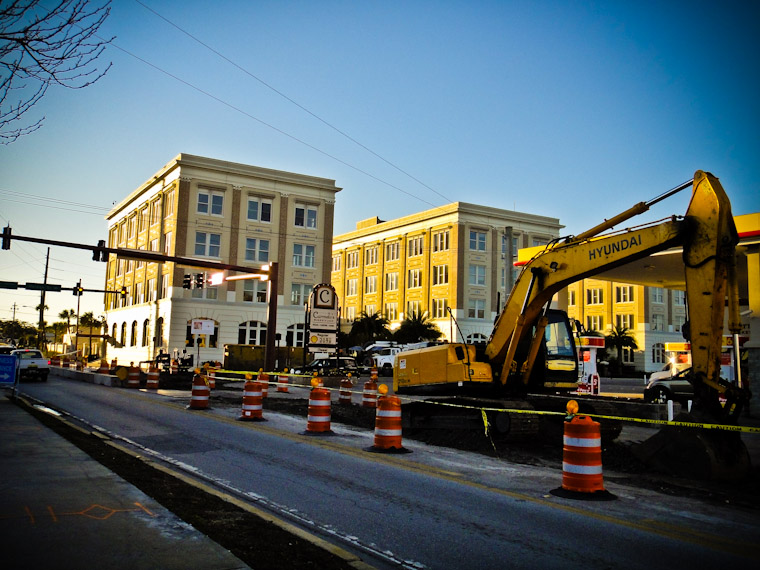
575	110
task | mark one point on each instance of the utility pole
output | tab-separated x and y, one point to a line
41	337
76	336
14	310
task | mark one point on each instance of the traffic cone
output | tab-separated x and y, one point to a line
104	369
200	392
318	421
253	409
369	395
344	395
282	382
152	382
388	424
582	458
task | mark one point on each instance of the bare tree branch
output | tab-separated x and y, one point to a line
40	47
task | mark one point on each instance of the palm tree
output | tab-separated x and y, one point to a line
369	328
67	314
415	328
619	339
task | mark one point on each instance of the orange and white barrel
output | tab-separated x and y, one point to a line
104	368
264	380
55	360
200	392
133	376
282	382
388	424
345	393
174	368
211	377
369	395
151	383
582	456
253	408
318	420
113	366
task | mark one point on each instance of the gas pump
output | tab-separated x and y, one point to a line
588	383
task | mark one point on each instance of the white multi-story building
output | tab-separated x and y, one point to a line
213	210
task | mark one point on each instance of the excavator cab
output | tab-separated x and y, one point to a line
556	366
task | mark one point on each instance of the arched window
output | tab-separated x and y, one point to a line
145	332
252	332
160	331
658	353
476	337
124	334
294	335
133	335
113	331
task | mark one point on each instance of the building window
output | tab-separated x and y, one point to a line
168	243
150	292
350	287
624	294
679	298
391	311
336	263
168	203
627	355
440	274
477	240
252	332
414	278
133	335
658	322
294	336
124	334
259	210
139	295
477	274
413	309
571	298
657	294
306	216
476	308
415	246
369	310
256	250
145	332
164	286
370	285
160	331
540	241
208	244
392	251
439	308
370	256
594	296
391	281
594	323
658	353
155	212
209	293
350	313
210	202
624	321
678	322
303	255
441	241
254	291
352	259
299	293
131	233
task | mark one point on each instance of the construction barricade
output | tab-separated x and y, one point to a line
582	458
282	382
253	408
55	361
388	424
152	381
369	395
104	368
210	374
200	392
133	376
174	367
345	393
113	366
319	414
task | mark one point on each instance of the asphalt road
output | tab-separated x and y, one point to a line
432	508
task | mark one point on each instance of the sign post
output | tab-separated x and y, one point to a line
199	327
322	318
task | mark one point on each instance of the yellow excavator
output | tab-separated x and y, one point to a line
532	347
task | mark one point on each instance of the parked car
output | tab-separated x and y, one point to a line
664	387
335	366
32	364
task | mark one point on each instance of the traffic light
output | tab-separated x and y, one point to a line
199	280
123	292
98	254
7	237
187	282
77	289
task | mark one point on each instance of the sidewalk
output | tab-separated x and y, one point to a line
59	508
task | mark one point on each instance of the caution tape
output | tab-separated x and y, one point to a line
697	425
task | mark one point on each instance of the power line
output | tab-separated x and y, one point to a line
291	100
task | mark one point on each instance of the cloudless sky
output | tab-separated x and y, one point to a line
570	109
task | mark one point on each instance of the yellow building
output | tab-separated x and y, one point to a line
458	256
238	214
